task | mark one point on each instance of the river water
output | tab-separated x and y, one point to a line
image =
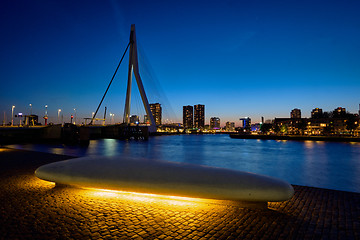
319	164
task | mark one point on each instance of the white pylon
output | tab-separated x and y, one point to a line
134	68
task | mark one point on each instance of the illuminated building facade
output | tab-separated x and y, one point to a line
230	126
215	123
255	127
339	112
156	111
246	123
199	116
295	113
317	113
188	116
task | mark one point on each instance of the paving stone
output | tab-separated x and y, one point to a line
33	209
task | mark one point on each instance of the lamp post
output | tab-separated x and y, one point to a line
30	109
59	110
46	117
12	115
75	116
112	118
20	116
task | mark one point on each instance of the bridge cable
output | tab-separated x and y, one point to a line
92	120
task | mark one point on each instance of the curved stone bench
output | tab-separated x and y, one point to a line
166	178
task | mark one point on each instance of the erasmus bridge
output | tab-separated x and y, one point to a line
73	134
161	177
132	70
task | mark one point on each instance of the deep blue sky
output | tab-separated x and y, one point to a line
239	58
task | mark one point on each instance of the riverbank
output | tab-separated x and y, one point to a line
296	137
34	209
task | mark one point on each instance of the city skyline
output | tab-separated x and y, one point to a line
238	58
192	117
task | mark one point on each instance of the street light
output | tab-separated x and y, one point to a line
12	115
59	110
30	109
20	116
75	116
112	118
46	117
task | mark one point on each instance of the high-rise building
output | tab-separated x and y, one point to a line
214	123
156	111
295	113
246	123
188	116
339	112
199	116
230	126
316	113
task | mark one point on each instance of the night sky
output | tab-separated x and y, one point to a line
238	58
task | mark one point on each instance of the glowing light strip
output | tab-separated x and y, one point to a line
5	150
162	199
172	200
148	195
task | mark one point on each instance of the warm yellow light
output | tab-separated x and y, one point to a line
36	183
115	196
147	197
59	151
4	150
309	144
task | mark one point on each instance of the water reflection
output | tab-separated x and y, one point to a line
316	163
309	144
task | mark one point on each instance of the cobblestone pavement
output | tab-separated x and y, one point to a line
34	209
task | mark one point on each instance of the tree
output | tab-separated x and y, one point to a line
327	115
265	127
284	128
350	123
276	128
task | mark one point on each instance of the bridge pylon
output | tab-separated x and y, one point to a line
134	69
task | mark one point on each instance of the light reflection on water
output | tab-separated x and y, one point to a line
319	164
